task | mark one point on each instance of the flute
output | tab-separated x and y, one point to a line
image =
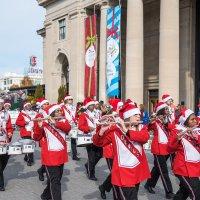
47	118
126	123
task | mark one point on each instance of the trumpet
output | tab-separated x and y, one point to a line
47	118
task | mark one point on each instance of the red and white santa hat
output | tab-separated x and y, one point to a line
116	103
166	97
26	104
41	101
129	110
88	102
52	108
68	97
7	103
159	106
185	114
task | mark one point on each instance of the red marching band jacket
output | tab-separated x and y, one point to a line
6	126
52	142
130	165
187	154
160	138
85	122
24	122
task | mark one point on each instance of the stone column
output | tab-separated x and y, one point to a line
102	56
169	49
134	51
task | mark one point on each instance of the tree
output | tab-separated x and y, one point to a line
26	81
39	92
62	92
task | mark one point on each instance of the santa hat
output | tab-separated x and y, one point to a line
26	104
115	103
88	102
185	114
129	110
166	97
159	106
1	101
52	108
7	103
68	97
42	101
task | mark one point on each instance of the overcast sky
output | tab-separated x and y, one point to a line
19	20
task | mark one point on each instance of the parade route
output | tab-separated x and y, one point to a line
22	182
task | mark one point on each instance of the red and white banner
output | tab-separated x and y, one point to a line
90	57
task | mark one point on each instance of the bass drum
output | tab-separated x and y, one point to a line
15	149
3	150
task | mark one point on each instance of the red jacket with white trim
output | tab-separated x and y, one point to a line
127	169
187	157
160	138
53	148
24	122
85	122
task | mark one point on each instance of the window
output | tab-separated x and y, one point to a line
62	29
4	81
10	81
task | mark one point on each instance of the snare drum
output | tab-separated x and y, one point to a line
28	146
3	150
15	149
84	139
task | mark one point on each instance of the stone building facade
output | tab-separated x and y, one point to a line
160	48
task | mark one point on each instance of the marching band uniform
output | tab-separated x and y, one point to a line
5	137
53	152
70	114
166	98
26	126
42	103
130	165
161	155
186	164
86	124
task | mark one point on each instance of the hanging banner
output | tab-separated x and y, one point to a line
90	57
113	51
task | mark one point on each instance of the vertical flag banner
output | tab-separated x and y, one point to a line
90	57
113	51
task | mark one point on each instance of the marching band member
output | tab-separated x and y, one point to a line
184	141
166	98
106	186
69	111
86	124
6	132
42	105
159	127
130	165
26	126
52	135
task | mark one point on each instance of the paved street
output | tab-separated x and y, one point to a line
22	182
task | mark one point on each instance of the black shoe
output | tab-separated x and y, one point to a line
170	195
41	175
76	158
102	191
149	189
93	178
2	189
44	198
86	167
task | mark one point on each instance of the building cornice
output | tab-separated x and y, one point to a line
45	3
